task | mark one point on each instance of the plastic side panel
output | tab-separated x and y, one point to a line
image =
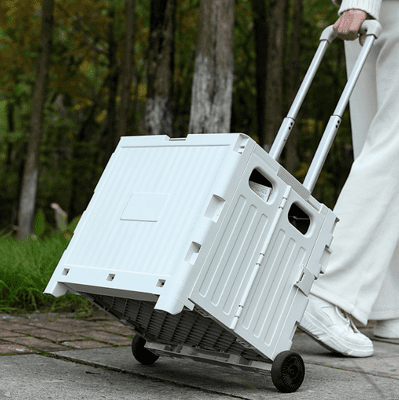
321	253
274	304
229	265
139	217
210	217
236	247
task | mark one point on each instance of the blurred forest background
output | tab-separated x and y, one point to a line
76	75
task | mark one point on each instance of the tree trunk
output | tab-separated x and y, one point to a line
212	90
275	66
111	132
260	30
160	70
31	168
11	129
127	72
12	162
293	83
80	175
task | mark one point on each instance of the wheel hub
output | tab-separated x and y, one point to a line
293	371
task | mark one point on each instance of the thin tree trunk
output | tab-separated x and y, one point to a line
127	72
134	117
160	71
111	132
260	31
293	83
275	67
11	162
77	203
11	128
212	90
31	168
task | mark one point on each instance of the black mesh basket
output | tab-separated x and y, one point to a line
188	328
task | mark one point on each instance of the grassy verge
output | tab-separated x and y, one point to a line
25	269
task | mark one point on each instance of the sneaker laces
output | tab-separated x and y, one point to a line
347	318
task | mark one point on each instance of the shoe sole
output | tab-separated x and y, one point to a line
385	333
386	337
344	350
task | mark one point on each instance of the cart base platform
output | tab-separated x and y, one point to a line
188	328
197	337
209	357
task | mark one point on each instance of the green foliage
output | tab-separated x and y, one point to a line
72	144
73	140
39	223
25	270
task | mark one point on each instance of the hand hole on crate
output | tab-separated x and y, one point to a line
65	271
299	218
260	185
110	277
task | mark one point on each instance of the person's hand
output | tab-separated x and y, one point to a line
348	24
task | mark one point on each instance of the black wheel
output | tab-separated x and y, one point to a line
140	353
288	371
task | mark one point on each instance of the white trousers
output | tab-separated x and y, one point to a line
362	276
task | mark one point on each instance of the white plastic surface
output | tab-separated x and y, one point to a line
180	222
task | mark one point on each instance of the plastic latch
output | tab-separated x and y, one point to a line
305	281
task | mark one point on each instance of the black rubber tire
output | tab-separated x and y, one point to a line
288	371
140	353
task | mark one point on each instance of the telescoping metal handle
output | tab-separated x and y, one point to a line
372	29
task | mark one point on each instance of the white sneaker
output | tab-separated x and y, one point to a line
388	329
334	330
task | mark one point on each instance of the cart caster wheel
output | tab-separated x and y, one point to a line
140	353
288	371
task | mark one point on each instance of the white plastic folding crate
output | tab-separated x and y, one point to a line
205	246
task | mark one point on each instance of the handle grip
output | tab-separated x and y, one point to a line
368	27
372	28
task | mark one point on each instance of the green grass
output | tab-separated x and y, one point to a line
25	269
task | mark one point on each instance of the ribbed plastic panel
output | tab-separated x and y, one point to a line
139	202
185	328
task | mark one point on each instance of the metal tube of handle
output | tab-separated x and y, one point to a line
335	120
289	120
372	29
343	101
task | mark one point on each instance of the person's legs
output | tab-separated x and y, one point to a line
387	304
323	320
363	101
367	235
362	277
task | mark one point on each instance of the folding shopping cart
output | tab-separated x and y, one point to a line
206	246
